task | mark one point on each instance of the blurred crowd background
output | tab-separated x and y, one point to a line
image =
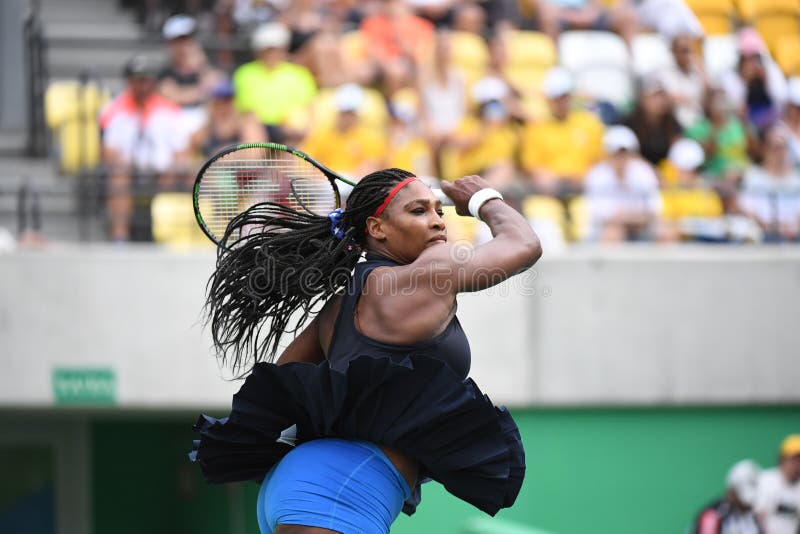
603	120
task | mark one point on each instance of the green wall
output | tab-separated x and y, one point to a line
600	470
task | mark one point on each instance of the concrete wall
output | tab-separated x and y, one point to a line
643	325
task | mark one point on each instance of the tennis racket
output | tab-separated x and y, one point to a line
243	175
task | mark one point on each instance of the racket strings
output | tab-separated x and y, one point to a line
243	178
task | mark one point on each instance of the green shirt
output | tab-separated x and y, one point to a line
731	145
272	93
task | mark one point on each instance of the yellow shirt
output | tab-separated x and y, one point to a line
348	153
566	148
498	144
690	202
272	93
412	154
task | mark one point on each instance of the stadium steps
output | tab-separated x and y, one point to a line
94	36
56	197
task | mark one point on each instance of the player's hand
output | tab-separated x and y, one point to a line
462	189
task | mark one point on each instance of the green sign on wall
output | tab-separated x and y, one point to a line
85	386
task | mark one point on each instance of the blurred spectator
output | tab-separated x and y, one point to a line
226	126
778	494
622	191
653	120
486	144
270	86
443	92
469	17
791	120
235	16
396	39
347	146
733	514
771	191
691	209
685	82
315	42
757	87
557	152
408	149
556	16
725	140
188	78
669	18
142	133
439	12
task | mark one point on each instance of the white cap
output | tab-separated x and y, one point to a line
686	154
349	97
743	479
178	26
794	91
557	82
270	35
620	138
490	88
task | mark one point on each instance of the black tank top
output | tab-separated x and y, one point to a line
451	346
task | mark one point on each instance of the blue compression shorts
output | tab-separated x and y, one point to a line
342	485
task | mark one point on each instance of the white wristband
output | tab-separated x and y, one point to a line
480	198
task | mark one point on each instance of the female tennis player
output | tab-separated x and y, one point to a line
372	398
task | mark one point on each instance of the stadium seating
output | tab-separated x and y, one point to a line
459	228
546	214
579	221
71	111
716	16
601	64
787	54
774	19
650	53
528	56
469	54
174	222
719	55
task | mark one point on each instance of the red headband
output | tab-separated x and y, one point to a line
391	195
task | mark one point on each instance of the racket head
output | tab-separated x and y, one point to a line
243	175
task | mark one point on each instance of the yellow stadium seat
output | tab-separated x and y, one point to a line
579	220
787	54
174	222
716	16
541	208
470	55
752	9
372	110
71	111
459	228
528	56
773	28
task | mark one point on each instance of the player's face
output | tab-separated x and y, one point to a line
413	222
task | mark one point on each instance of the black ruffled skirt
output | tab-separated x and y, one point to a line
418	406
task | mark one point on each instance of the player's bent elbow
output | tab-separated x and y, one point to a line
531	251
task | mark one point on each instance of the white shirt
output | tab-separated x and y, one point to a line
607	194
778	502
149	140
771	198
686	86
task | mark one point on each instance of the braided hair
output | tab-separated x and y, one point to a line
268	279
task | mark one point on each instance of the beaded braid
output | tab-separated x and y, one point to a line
268	279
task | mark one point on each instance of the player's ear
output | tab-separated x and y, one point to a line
375	228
